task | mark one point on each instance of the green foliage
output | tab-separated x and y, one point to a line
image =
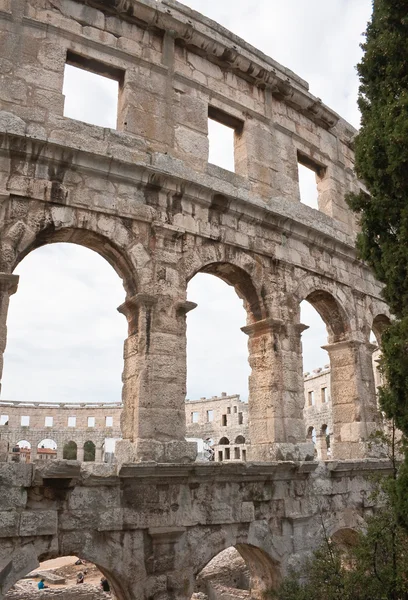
382	164
374	566
382	150
70	451
89	451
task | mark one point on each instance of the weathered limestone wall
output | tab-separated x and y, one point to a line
145	197
151	529
12	432
222	419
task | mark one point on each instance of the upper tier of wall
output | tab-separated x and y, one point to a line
176	68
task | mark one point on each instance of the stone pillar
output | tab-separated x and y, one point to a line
33	453
321	446
167	573
353	397
154	382
276	396
8	286
60	451
98	453
80	454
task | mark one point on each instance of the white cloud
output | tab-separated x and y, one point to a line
65	336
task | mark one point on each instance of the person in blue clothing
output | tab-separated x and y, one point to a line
41	585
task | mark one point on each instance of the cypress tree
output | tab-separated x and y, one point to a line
382	164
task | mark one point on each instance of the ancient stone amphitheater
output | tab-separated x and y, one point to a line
145	197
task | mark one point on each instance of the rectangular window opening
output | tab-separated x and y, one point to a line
237	453
91	91
49	421
227	454
324	395
25	421
210	416
91	421
109	421
194	417
71	421
220	455
223	130
311	399
244	455
240	418
224	420
4	419
310	173
228	410
235	410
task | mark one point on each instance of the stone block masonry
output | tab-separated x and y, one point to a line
151	529
145	198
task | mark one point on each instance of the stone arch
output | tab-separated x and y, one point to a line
332	304
39	225
87	238
265	572
379	325
237	268
18	561
224	441
240	439
309	432
47	439
89	451
261	557
346	520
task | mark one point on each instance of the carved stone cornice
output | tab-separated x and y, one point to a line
260	327
137	301
8	283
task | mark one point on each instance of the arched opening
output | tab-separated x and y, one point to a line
21	452
70	451
241	571
89	451
344	541
217	349
47	450
240	439
311	434
380	324
223	442
217	355
64	577
316	367
63	326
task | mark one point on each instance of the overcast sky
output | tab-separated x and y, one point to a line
65	336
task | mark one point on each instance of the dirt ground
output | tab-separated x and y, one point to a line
66	567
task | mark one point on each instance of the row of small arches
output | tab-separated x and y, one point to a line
70	449
224	441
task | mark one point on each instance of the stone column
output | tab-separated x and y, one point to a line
353	397
8	286
154	382
167	573
80	453
276	397
60	451
98	453
321	446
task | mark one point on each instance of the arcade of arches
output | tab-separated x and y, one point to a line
146	199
